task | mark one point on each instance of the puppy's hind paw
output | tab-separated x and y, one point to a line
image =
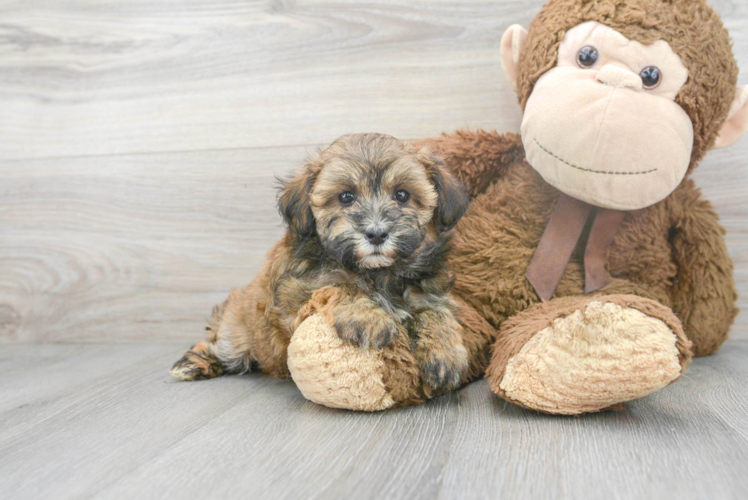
197	364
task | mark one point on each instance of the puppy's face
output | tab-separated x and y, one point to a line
372	199
372	204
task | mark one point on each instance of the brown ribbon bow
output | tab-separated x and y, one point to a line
560	238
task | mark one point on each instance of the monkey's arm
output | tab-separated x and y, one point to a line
704	290
477	157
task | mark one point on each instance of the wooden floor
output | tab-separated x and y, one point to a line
106	421
140	141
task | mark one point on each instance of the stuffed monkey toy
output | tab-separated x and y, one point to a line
588	257
586	244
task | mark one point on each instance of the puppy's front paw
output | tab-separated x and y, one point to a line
444	368
440	351
197	364
365	327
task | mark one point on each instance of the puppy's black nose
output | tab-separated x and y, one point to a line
377	236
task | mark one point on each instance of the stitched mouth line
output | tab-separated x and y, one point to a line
589	169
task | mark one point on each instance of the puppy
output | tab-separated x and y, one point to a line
368	223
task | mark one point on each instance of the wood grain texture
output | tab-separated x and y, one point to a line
227	74
141	140
132	246
105	421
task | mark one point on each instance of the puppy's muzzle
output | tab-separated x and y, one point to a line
377	235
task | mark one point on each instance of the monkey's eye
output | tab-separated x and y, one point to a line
346	198
587	56
651	77
402	195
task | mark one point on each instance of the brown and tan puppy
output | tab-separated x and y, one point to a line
368	223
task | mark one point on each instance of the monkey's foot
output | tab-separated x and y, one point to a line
585	354
334	373
197	364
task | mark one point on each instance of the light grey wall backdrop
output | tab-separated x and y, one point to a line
139	140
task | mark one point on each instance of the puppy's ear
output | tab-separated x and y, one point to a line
293	199
453	197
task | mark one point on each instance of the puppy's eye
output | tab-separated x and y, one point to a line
402	195
587	56
651	77
346	197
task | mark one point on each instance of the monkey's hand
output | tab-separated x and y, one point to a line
440	351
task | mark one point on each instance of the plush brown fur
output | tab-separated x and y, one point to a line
394	295
672	252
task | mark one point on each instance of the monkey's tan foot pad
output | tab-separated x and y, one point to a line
335	373
585	354
197	364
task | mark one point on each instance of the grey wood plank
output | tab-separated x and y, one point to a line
136	246
39	381
94	434
130	432
113	77
83	77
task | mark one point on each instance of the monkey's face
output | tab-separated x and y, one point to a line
371	209
603	125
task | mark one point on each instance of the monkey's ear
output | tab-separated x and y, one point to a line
511	43
737	120
453	198
293	200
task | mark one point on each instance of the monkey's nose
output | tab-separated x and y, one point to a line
377	236
619	77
